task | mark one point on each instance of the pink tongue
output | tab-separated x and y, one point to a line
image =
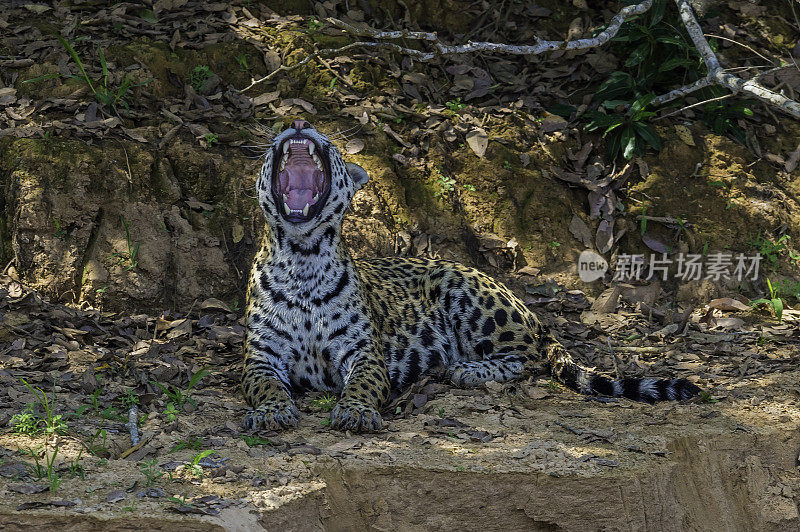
300	179
299	197
300	182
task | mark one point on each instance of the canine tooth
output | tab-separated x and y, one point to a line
285	198
305	210
287	209
311	148
285	148
315	157
315	198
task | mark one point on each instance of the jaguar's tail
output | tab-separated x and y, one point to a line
587	382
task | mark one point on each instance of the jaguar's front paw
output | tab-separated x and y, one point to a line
355	416
275	415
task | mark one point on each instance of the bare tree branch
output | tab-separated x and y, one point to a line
470	47
718	76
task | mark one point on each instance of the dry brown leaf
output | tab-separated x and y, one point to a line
727	304
238	233
604	238
265	98
685	135
478	141
580	230
354	146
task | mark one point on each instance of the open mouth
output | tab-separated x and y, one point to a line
301	179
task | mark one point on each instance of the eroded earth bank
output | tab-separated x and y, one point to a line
127	227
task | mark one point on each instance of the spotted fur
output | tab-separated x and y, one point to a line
316	319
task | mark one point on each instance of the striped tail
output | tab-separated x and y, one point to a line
587	382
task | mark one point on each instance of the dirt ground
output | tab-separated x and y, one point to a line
127	231
526	455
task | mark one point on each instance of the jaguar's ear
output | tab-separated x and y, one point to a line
358	174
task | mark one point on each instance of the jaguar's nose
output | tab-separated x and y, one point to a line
301	124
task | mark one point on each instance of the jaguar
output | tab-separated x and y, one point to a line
319	320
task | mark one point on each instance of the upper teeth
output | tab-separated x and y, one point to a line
305	210
311	148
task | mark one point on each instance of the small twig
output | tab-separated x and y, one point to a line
682	109
567	427
740	44
335	74
638	349
681	92
617	361
132	424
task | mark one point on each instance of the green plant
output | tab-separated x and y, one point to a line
151	471
643	222
133	248
180	501
211	138
789	287
455	105
722	117
179	396
194	444
254	441
440	412
444	184
625	132
32	422
104	94
551	385
60	231
506	165
774	301
706	397
469	187
171	412
198	77
99	448
26	422
194	463
129	398
75	468
46	470
325	402
657	53
314	25
241	60
770	250
765	339
112	414
554	245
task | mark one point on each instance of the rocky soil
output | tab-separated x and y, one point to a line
127	230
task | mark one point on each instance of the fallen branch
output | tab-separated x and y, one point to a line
132	424
443	49
470	47
718	76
